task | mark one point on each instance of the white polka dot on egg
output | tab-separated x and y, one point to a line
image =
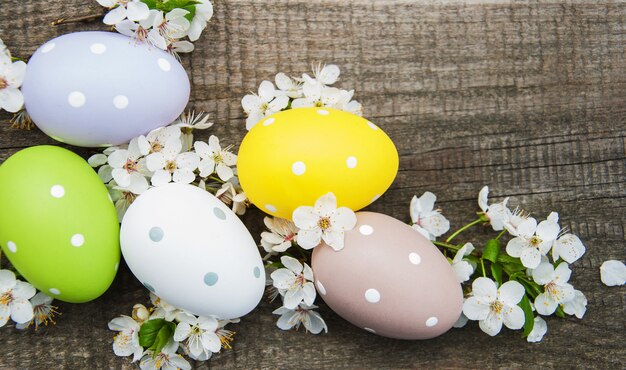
298	168
12	246
432	321
76	99
55	291
351	162
120	101
77	240
271	207
98	48
48	47
372	295
415	258
366	230
370	330
268	121
164	64
57	191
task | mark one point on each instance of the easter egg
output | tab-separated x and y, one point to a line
191	250
293	157
58	226
102	88
389	280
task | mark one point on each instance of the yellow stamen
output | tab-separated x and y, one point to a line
496	307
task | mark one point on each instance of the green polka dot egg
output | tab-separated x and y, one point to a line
189	248
58	226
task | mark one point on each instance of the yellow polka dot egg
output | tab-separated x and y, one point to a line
293	157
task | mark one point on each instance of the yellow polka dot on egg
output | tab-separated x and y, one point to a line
291	158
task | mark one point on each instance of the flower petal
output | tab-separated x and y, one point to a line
544	273
491	325
515	246
540	328
613	273
309	239
545	305
475	309
514	317
485	288
530	257
569	248
182	331
23	290
483	198
334	238
21	310
343	219
511	292
326	205
292	264
211	341
305	217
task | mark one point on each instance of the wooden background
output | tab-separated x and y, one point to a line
526	96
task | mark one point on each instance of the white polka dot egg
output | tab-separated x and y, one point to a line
389	280
190	249
58	226
101	88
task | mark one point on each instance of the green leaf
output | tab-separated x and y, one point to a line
512	268
529	318
492	250
496	271
192	12
149	331
505	258
151	3
532	289
169	5
162	338
559	312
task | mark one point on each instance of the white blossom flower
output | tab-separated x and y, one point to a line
498	213
140	313
281	236
170	164
167	359
43	311
229	195
318	95
289	86
199	333
162	309
158	140
128	168
303	314
266	103
556	289
134	10
11	78
613	273
173	25
215	159
492	306
126	342
462	268
540	328
295	281
122	198
176	47
187	122
325	74
533	241
143	30
516	218
14	299
427	220
324	221
345	103
568	247
576	306
204	12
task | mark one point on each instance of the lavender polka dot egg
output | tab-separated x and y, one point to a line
190	249
389	280
101	88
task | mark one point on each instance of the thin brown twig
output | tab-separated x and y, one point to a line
84	18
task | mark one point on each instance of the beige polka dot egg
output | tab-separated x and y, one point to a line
389	280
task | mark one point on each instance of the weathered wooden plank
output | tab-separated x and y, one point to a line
526	96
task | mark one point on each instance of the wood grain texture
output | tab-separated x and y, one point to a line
526	96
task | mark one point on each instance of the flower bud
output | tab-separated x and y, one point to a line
140	313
